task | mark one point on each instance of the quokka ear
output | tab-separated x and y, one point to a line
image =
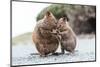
48	13
65	18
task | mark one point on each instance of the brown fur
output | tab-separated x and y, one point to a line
45	42
68	38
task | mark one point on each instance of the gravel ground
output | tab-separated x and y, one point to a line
25	53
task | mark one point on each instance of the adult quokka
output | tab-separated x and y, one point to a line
44	40
67	36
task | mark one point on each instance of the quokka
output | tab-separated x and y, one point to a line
67	36
44	40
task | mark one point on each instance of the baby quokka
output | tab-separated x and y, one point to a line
67	36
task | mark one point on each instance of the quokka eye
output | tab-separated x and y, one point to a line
60	25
